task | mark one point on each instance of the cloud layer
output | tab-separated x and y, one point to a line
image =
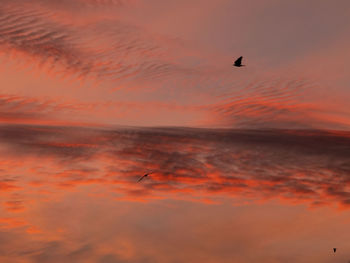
306	166
71	193
125	57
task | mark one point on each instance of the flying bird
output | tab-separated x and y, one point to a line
334	249
145	175
238	62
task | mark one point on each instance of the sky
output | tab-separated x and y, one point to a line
249	164
153	63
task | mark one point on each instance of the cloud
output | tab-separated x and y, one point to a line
137	66
56	252
19	109
8	223
308	166
277	103
67	42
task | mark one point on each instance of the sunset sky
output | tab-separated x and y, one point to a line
250	164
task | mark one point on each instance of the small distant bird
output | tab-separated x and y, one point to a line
145	175
334	249
238	62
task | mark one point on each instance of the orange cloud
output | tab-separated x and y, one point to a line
282	164
9	223
8	186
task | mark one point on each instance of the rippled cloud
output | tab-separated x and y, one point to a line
131	61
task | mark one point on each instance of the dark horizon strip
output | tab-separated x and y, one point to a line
310	166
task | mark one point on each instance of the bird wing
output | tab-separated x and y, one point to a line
238	61
144	176
141	178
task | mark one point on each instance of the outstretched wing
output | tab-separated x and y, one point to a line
142	178
145	175
239	61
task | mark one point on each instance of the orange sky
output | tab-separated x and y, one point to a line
85	83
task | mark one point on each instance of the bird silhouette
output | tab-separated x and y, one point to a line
238	62
334	249
144	176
